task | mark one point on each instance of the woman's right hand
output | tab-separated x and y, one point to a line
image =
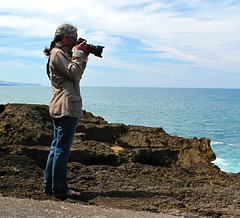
82	46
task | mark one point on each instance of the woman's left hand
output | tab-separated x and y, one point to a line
85	54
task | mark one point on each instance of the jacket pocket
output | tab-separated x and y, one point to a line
75	103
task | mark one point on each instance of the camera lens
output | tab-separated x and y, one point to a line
93	49
96	50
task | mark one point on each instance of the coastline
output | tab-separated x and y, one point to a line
193	112
117	166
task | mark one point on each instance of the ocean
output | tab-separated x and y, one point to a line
186	112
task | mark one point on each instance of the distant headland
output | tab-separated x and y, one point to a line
4	83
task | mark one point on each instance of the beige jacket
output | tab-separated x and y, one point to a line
65	72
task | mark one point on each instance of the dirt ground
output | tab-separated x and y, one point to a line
16	207
131	186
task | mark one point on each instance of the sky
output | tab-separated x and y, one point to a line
148	43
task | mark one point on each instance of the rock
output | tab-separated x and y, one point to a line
25	125
96	141
116	165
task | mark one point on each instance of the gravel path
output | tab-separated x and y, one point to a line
15	207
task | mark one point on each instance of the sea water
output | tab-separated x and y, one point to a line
210	113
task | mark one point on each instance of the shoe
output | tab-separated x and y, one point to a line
73	194
70	194
47	192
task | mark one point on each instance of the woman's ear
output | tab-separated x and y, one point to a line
64	39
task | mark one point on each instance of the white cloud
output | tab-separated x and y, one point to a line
205	33
20	52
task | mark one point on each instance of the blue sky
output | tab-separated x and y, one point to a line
148	43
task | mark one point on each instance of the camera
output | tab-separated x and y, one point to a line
93	49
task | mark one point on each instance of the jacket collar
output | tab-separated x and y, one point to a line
63	48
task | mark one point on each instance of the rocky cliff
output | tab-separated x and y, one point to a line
116	165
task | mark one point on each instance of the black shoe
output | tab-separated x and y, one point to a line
70	194
47	192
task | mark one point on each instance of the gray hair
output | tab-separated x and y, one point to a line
64	29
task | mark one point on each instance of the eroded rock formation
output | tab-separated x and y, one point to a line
96	141
116	165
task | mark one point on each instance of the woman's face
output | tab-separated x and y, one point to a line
69	42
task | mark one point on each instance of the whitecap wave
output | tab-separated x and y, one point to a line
220	161
228	165
216	143
234	145
222	164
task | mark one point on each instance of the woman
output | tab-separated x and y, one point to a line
65	69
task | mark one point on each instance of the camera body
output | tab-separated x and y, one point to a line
93	49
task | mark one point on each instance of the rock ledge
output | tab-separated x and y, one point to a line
116	165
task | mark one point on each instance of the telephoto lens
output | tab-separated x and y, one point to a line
93	49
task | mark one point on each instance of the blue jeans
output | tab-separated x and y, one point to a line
55	177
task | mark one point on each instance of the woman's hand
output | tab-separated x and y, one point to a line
82	46
85	54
